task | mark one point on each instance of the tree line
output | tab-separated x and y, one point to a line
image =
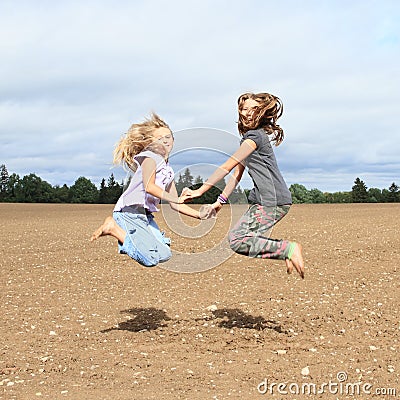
359	193
32	189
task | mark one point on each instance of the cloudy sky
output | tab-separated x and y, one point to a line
76	74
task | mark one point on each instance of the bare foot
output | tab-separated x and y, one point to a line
289	266
105	229
297	260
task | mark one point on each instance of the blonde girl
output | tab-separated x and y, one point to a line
270	199
144	150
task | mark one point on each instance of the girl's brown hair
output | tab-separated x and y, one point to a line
138	138
265	115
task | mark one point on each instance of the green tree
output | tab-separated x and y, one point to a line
4	179
344	197
300	194
32	189
111	182
61	194
375	195
316	196
338	197
198	180
12	185
328	197
187	178
179	184
359	191
110	193
114	190
103	192
394	194
83	191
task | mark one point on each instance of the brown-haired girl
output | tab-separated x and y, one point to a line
270	199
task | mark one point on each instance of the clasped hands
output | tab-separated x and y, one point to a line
207	210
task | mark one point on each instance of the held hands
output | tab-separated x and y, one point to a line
207	210
210	210
191	194
184	197
216	206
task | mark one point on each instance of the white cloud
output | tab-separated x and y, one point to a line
79	73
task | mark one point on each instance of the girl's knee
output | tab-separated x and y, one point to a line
148	263
145	258
153	257
165	259
165	254
234	241
145	261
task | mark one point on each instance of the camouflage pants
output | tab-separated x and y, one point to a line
250	235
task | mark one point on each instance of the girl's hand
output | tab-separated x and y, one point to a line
207	211
216	206
191	194
186	191
183	197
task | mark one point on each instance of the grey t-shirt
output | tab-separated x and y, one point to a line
270	189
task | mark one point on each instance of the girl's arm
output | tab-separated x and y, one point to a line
246	148
233	181
149	182
230	186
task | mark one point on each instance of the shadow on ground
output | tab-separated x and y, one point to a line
236	318
144	319
148	319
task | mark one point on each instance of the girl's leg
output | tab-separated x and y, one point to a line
109	227
163	247
296	260
140	242
250	237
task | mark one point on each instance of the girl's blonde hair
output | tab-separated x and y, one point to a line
138	138
265	115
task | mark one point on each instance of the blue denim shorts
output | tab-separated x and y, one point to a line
144	242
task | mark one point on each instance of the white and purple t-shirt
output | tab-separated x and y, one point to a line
135	194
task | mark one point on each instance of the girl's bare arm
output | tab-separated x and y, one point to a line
149	182
234	180
182	208
246	148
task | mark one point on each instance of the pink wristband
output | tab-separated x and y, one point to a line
222	199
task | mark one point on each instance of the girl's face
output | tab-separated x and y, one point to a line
248	109
164	136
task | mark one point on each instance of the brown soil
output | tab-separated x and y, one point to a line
80	321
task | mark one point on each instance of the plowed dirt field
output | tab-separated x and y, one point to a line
80	321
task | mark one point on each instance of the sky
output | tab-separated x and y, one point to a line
76	74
